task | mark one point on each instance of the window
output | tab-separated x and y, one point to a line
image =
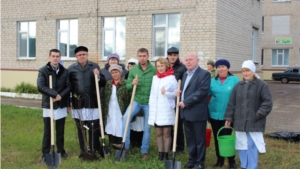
114	36
254	43
26	39
67	37
166	33
281	25
280	57
262	57
295	70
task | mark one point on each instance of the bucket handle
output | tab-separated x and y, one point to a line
223	128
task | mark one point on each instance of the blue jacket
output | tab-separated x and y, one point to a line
220	95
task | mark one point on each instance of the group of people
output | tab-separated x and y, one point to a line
213	95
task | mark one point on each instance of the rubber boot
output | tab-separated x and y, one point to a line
166	156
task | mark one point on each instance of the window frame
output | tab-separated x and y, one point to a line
27	40
103	57
166	29
68	37
263	24
254	43
288	60
281	0
262	57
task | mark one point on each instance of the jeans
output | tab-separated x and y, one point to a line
136	108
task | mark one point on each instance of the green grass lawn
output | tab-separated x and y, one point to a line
21	138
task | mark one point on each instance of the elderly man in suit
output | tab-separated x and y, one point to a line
193	109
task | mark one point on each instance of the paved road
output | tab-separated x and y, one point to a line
285	115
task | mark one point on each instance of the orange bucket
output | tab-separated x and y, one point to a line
208	137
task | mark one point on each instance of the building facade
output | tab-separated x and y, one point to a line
281	36
211	28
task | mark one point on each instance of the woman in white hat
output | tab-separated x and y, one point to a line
248	107
115	100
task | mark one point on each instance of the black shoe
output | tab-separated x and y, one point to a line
160	156
165	156
64	155
218	164
232	166
188	166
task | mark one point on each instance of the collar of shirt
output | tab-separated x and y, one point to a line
192	72
55	69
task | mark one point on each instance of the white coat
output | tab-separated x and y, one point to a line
161	107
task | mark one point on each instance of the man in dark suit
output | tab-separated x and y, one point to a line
193	110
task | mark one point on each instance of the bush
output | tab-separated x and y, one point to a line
26	88
5	89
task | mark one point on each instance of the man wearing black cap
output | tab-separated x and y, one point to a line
179	68
84	100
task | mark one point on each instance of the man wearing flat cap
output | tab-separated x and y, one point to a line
179	69
84	100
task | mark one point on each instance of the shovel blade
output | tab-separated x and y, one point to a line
53	160
120	155
170	164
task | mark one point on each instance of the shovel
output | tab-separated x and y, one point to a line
172	164
53	159
120	152
106	150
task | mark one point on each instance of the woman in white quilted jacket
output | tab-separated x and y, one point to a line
162	104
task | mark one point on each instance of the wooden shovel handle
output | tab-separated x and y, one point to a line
176	119
51	112
99	107
130	109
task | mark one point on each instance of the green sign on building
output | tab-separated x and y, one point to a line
283	40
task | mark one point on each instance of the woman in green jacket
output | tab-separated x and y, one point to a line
220	90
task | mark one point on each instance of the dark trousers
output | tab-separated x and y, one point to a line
216	125
195	133
93	132
180	136
60	130
136	138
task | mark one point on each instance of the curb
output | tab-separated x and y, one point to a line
21	95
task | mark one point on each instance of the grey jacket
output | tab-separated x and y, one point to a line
249	105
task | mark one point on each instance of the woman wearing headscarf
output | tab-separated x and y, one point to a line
248	107
112	59
115	100
220	90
